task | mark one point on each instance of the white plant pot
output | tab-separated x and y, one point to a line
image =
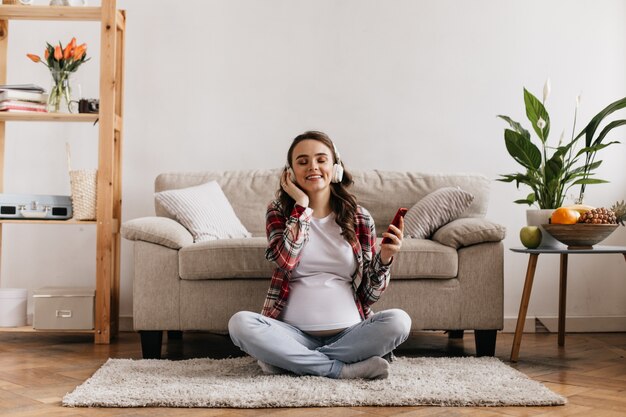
537	217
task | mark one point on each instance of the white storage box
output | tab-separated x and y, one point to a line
13	307
64	308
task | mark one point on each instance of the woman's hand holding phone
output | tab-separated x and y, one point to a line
292	189
392	238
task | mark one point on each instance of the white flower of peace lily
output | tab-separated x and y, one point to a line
541	123
546	90
578	98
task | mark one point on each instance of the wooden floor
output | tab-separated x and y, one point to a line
36	370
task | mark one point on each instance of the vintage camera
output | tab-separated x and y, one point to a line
88	105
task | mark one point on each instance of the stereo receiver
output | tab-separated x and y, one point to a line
33	206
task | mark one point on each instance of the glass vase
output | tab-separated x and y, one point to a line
60	97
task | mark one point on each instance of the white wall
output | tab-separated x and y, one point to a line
399	85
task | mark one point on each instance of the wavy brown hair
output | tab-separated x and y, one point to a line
342	202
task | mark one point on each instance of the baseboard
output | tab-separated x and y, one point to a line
585	324
581	324
511	322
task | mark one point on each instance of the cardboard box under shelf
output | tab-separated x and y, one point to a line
64	308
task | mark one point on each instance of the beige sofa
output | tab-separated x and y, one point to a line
453	281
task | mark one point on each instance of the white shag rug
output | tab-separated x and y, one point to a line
239	383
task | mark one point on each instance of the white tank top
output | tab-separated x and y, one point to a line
320	290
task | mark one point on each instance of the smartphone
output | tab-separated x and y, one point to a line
396	222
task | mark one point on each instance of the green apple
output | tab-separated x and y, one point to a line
530	236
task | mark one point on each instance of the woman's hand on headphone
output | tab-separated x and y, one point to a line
293	190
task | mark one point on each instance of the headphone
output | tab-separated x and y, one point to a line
337	173
337	167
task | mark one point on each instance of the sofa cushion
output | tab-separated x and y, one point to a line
436	209
245	258
225	258
467	232
159	230
423	258
383	192
249	192
204	210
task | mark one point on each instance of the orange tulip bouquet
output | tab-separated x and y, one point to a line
61	61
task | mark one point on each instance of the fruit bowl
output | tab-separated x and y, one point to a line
580	235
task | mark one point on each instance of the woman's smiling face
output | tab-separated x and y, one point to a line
312	163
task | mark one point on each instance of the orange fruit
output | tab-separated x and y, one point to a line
564	215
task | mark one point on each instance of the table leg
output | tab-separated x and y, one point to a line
562	298
523	308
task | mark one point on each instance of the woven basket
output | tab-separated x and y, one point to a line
83	184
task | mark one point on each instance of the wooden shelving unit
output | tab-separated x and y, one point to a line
110	119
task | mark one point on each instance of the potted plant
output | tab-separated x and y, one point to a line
550	171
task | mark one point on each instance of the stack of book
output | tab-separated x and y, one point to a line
23	98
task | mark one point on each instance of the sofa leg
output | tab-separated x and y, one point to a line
485	342
455	334
174	335
151	343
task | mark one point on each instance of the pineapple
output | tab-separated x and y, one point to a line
619	208
598	216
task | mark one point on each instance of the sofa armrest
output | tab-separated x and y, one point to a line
469	231
160	230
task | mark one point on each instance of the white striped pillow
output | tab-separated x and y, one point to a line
204	210
436	209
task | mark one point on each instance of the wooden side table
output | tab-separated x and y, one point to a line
528	284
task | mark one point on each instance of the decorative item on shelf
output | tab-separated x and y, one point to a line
88	105
68	3
23	98
62	62
18	2
13	302
83	185
64	308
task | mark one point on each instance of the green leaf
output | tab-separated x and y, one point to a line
516	126
591	127
554	168
534	111
608	128
530	203
589	167
595	148
522	150
590	181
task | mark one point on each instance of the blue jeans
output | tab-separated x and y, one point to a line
285	346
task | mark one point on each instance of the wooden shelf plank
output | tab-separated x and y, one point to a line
47	117
29	329
34	221
19	12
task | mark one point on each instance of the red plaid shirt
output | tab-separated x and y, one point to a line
286	238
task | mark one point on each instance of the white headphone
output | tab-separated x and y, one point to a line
337	174
337	167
